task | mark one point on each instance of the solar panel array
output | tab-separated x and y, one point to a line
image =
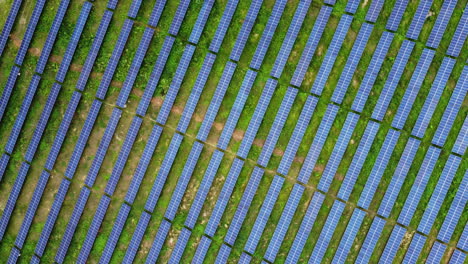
414	248
458	38
348	237
419	18
393	244
397	14
14	8
458	257
461	143
441	23
370	241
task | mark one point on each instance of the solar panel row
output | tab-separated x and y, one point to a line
414	248
178	250
202	248
463	241
158	8
289	39
14	255
457	257
332	53
3	164
374	10
223	25
15	72
115	233
443	18
352	62
349	235
112	4
397	14
179	17
137	237
419	18
14	8
461	143
371	240
158	242
372	71
223	254
418	186
134	8
437	252
201	21
393	244
244	33
338	151
352	6
458	38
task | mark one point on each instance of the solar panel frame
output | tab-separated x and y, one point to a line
374	10
15	253
463	241
155	16
178	250
461	143
352	6
134	8
245	258
202	249
202	18
6	93
437	252
457	257
179	17
14	8
137	237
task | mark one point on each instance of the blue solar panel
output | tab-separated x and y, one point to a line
71	226
414	248
393	79
216	101
438	196
298	134
305	228
35	260
284	222
14	8
52	217
358	160
317	144
3	164
155	75
244	258
201	21
223	254
413	88
332	53
399	177
418	186
452	109
115	234
158	8
371	240
243	207
396	15
93	229
179	17
379	167
349	235
236	109
244	33
178	250
419	18
433	97
311	45
15	72
112	4
94	50
327	232
202	248
455	211
352	6
463	241
196	92
158	241
459	37
277	126
440	25
264	214
114	59
460	145
393	244
352	62
103	147
257	118
135	67
224	197
437	252
84	135
137	237
374	10
223	25
458	257
290	38
134	7
372	71
14	255
338	152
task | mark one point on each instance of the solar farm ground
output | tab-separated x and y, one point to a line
324	99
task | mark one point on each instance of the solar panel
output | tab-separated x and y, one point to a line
158	8
112	4
236	109
374	10
242	208
244	258
257	118
178	250
372	71
158	241
327	232
438	195
371	240
352	6
338	152
14	8
201	21
204	188
3	164
284	222
195	94
399	177
179	17
459	37
155	76
379	167
419	18
264	214
103	146
134	7
317	145
393	244
223	254
352	62
330	2
358	160
277	126
349	235
455	211
414	248
463	241
93	229
202	248
440	25
396	15
35	260
216	100
14	255
460	145
413	88
15	71
223	25
332	54
114	59
71	226
458	257
418	186
437	252
305	228
224	197
452	109
137	237
115	233
135	67
298	133
393	79
290	38
244	32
